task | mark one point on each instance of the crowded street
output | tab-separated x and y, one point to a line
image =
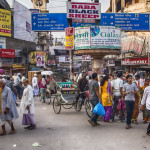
70	130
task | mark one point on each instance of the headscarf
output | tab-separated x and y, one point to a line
43	81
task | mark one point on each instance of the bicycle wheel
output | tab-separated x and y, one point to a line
88	107
78	105
67	106
56	105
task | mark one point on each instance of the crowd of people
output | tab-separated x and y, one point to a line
120	95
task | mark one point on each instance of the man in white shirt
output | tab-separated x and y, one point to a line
117	86
142	81
146	100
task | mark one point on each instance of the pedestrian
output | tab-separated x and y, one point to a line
17	84
137	100
23	77
42	85
117	86
35	85
142	81
8	110
27	106
106	94
129	90
82	86
146	117
146	104
94	97
52	85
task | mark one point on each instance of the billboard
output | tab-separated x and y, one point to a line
69	38
22	23
40	59
2	42
132	42
82	38
33	58
105	37
5	22
77	10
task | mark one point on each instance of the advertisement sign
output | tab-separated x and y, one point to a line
111	63
105	37
40	59
82	38
2	42
69	38
83	10
7	53
33	57
5	22
34	11
135	61
132	42
61	52
22	23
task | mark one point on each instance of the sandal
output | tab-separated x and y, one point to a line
12	132
2	134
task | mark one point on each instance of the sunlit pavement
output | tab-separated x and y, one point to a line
70	130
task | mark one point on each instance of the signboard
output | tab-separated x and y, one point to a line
82	38
7	53
49	22
69	38
83	10
2	42
61	52
17	66
105	37
111	63
22	23
34	11
132	42
5	22
127	21
40	59
33	57
135	61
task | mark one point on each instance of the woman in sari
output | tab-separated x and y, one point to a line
137	100
106	94
146	117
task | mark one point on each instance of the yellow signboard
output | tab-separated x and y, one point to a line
69	39
5	22
17	66
33	57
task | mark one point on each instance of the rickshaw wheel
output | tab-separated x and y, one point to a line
77	105
48	99
56	105
88	107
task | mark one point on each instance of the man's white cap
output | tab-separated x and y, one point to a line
18	74
35	75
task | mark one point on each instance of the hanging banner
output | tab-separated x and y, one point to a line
40	59
132	42
33	58
83	10
69	38
105	37
5	22
2	42
82	38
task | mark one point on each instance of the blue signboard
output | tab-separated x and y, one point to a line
49	22
127	21
58	21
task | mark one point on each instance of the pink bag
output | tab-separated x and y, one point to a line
121	104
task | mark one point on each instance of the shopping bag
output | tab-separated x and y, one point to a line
99	110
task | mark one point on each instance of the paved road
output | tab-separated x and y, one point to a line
71	131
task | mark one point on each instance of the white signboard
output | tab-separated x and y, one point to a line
22	23
77	10
105	37
2	42
82	38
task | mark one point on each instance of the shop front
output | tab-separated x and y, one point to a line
18	68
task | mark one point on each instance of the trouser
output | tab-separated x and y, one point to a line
42	91
148	129
94	116
129	110
19	91
4	122
121	115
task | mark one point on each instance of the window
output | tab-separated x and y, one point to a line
18	60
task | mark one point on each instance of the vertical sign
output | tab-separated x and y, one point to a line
82	38
69	38
5	22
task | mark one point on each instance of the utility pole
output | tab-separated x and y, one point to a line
97	21
70	52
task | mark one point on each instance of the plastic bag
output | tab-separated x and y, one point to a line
99	110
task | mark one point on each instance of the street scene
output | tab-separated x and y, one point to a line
74	74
